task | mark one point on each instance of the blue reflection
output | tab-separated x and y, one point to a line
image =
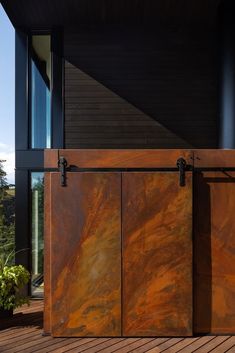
37	241
40	110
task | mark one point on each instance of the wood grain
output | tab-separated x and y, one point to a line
157	254
86	255
214	252
140	158
214	158
125	158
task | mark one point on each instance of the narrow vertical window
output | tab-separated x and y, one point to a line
37	186
40	91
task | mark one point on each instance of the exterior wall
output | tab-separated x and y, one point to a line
122	89
28	160
140	88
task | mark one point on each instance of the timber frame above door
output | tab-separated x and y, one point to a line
121	228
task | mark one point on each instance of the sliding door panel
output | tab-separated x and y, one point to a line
157	254
85	259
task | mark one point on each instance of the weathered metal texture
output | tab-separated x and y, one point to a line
145	158
214	158
86	255
83	245
51	157
157	254
126	158
214	259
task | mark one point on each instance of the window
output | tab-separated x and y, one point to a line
40	68
37	187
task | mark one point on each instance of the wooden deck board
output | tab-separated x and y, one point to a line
170	343
197	344
153	344
103	345
50	346
94	345
85	347
229	343
23	333
182	344
132	346
119	345
213	345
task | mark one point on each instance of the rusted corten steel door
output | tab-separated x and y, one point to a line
118	257
157	254
85	242
137	246
214	241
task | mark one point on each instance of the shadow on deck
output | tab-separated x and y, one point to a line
23	333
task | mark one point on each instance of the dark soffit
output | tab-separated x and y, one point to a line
48	13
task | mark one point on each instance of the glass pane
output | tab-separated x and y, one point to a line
37	186
41	92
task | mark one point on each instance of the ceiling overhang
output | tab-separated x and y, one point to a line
34	14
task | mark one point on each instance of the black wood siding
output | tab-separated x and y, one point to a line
140	88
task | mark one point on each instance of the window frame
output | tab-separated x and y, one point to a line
31	228
27	159
34	33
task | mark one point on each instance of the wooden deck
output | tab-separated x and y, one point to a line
23	333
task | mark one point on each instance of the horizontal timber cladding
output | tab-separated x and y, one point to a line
140	88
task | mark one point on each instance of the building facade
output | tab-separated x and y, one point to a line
154	74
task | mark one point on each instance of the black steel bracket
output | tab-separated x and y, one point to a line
181	165
62	164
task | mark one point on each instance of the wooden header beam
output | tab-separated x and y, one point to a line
139	158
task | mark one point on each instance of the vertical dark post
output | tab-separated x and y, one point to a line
22	240
21	144
227	73
57	88
21	90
